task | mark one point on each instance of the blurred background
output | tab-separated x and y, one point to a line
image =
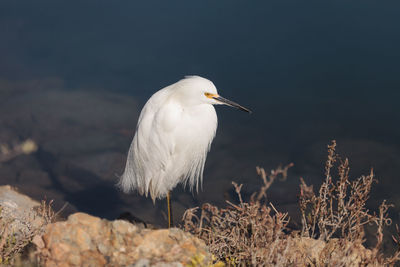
74	76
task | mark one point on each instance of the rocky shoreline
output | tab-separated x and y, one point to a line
86	240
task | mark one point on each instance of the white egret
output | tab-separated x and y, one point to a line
173	135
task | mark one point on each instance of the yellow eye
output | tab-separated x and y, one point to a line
209	95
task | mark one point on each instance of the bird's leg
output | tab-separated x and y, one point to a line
170	222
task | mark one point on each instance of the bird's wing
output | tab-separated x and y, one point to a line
164	141
146	154
154	144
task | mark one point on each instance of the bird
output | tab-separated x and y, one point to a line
173	135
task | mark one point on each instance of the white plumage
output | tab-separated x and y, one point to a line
173	135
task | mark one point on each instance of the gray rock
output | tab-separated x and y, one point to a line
18	212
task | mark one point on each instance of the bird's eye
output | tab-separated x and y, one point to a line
209	95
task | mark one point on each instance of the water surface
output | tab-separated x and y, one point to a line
74	76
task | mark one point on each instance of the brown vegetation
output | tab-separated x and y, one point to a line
332	234
17	233
339	210
254	233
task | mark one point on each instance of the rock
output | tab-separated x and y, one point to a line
85	240
18	211
335	252
10	198
22	220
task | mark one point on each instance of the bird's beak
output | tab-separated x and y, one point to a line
230	103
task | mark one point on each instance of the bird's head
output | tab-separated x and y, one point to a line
198	90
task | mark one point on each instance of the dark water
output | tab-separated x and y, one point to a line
75	74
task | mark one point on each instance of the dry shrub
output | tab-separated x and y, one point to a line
246	233
340	207
255	233
17	233
339	210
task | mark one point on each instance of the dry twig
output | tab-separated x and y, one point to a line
255	233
